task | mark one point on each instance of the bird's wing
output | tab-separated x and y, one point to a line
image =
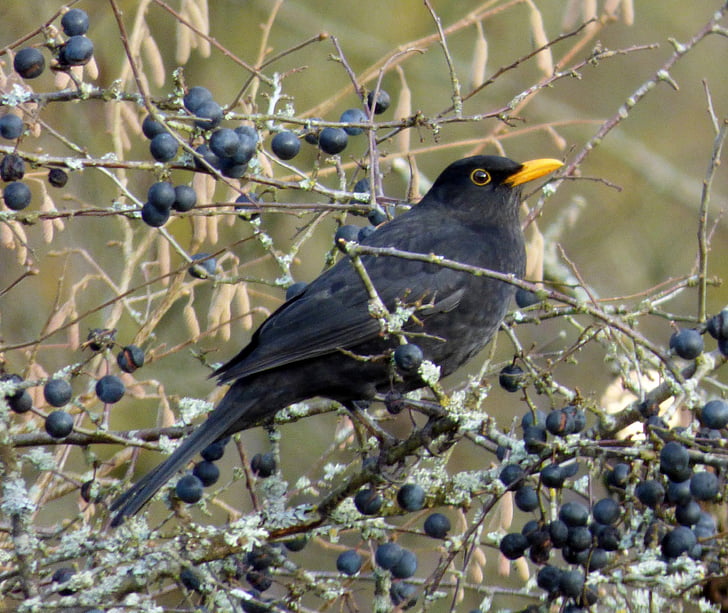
332	313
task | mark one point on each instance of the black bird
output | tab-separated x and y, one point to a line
309	346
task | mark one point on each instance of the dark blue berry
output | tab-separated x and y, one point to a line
376	217
349	562
29	63
189	489
406	566
163	147
209	115
196	97
368	501
387	555
77	51
606	511
704	485
347	233
214	451
650	493
207	472
353	116
510	474
403	595
513	545
285	145
63	575
675	461
408	357
526	498
574	514
11	126
526	298
677	541
151	127
185	198
553	475
511	378
411	497
57	392
12	167
16	195
224	142
717	326
263	464
686	343
190	579
75	22
153	216
382	102
437	525
59	424
714	414
333	140
688	514
110	389
161	195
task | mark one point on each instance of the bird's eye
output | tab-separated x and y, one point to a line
480	176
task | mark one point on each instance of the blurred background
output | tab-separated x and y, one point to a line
630	224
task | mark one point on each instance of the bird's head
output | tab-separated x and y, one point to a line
485	185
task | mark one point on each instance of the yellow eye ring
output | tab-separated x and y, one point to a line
480	176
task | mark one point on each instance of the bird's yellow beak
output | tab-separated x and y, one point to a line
533	169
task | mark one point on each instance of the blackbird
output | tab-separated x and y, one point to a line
326	341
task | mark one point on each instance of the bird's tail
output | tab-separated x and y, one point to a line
227	413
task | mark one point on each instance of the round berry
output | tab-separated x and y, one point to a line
714	414
618	476
511	378
526	498
678	541
185	198
510	474
534	438
333	140
74	22
349	562
151	127
263	464
437	526
574	514
296	544
688	514
411	497
207	472
606	511
214	451
295	289
203	266
224	142
408	357
560	423
196	97
686	343
153	216
57	177
161	195
376	217
209	114
382	103
675	461
59	424
678	492
526	298
558	532
285	145
29	63
16	195
513	545
110	389
368	501
57	392
650	493
189	489
387	555
353	116
548	578
553	475
130	358
571	583
11	126
77	51
579	538
406	566
717	326
704	485
163	147
20	402
346	233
